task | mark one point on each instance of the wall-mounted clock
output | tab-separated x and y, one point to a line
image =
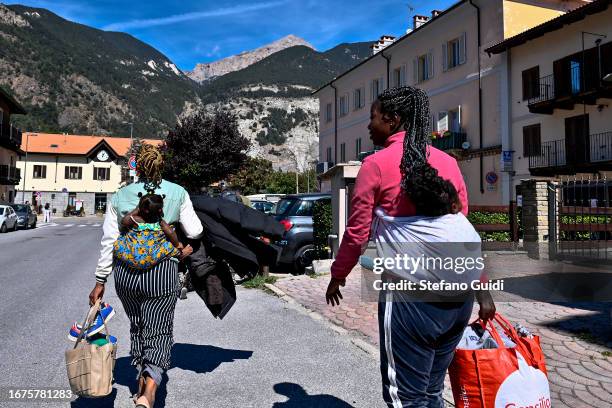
102	155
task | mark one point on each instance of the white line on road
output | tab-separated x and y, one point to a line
83	225
68	225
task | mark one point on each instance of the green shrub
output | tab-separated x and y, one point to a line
478	217
322	227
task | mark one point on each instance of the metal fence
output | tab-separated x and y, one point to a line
580	219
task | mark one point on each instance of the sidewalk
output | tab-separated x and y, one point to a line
575	338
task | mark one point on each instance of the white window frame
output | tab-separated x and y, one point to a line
423	67
43	173
359	98
343	105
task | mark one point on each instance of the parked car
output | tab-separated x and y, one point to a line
295	213
25	216
265	207
8	218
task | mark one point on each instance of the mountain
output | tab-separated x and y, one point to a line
78	79
206	71
273	100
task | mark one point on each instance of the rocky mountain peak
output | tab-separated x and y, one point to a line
206	71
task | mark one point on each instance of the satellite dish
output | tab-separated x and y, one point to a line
465	145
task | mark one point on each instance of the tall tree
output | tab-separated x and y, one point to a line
204	148
253	177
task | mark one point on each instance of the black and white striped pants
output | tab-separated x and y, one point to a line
149	298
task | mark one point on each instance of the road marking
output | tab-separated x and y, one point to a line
82	225
68	225
96	225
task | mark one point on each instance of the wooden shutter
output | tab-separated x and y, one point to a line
67	172
462	49
444	56
403	75
532	144
442	121
430	64
362	97
415	71
80	173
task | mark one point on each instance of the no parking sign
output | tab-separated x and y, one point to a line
132	162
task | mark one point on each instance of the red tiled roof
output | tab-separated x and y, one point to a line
52	143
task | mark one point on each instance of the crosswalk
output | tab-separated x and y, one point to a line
61	225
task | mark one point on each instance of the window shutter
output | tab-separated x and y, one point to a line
362	97
430	63
66	172
459	117
442	121
80	173
381	85
372	92
444	56
462	50
415	71
403	75
108	173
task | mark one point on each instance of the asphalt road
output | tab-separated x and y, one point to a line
263	354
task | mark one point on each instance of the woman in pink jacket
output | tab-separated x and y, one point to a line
408	177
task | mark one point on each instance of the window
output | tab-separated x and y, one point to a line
40	172
423	67
442	123
343	105
101	173
359	98
453	52
72	199
376	88
342	152
399	76
329	154
304	209
328	112
532	143
73	173
357	148
531	79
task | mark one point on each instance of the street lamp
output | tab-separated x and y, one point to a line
131	130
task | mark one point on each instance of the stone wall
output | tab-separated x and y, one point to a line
535	217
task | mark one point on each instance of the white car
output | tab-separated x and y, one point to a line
8	218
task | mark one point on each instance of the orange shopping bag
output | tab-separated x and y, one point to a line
501	377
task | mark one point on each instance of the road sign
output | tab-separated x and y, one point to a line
64	190
507	160
132	163
491	177
38	195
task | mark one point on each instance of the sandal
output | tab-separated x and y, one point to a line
142	402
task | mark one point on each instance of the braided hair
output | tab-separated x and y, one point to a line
149	165
430	193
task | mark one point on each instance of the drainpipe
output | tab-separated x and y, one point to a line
382	52
335	122
479	100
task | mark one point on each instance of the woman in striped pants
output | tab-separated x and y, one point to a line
148	296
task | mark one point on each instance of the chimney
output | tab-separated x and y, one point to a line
382	43
435	13
418	21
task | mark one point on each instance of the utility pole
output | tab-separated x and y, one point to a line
25	168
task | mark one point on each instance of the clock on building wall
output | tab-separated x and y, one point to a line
102	155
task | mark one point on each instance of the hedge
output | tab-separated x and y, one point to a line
322	227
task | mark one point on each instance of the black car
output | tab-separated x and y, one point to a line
295	213
26	218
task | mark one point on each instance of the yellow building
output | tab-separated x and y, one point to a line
561	95
71	170
469	92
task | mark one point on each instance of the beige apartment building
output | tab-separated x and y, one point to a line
561	95
71	170
469	92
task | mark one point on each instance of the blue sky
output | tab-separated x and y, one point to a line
192	31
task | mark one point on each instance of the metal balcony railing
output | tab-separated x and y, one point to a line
553	154
10	135
9	175
601	147
544	90
452	141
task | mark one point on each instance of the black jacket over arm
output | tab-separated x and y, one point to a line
230	238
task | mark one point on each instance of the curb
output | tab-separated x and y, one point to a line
354	337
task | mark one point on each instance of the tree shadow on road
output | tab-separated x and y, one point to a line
299	398
193	357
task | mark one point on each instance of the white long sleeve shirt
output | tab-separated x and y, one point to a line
189	221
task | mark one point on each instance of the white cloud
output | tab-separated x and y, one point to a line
214	52
177	18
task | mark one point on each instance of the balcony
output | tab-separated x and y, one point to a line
559	157
10	137
570	85
452	141
9	175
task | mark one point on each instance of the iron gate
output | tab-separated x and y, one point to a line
580	220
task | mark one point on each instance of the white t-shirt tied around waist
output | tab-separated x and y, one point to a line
445	248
